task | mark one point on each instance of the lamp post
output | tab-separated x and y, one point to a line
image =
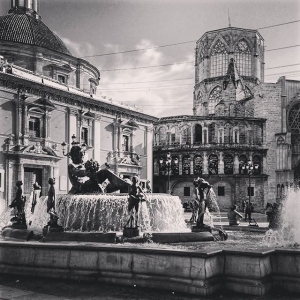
249	167
74	142
166	164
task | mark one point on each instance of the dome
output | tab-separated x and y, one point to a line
26	29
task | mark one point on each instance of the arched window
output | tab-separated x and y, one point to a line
213	163
242	56
294	118
256	162
186	135
186	165
175	165
198	163
199	96
214	98
211	133
282	191
243	161
198	134
172	135
236	136
162	133
228	164
278	190
218	60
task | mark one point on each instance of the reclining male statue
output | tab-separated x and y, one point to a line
87	177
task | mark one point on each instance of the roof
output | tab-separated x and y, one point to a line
26	29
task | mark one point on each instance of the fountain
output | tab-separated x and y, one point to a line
286	228
97	213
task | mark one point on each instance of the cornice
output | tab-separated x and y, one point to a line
14	83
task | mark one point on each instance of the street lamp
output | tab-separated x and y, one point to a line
166	164
74	143
249	167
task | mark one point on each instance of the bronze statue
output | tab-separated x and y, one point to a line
136	195
51	204
88	177
200	185
19	203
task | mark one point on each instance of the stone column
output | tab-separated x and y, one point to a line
221	164
192	137
192	165
18	117
132	141
97	138
180	164
149	153
205	163
72	125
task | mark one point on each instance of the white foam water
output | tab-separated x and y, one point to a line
103	213
288	232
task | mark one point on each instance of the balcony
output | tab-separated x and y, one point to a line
200	146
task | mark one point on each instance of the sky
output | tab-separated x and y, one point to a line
160	80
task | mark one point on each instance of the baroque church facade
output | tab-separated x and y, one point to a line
48	96
237	118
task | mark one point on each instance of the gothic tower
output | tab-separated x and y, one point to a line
216	91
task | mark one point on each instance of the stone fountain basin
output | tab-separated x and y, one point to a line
193	272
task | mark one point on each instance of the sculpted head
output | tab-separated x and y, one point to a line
77	154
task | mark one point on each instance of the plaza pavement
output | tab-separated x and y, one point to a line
222	220
15	287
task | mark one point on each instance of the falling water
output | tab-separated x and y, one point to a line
212	206
288	232
102	213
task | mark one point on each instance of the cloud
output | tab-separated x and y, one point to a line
154	90
77	49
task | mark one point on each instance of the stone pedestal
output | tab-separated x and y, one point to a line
19	234
131	232
18	226
204	228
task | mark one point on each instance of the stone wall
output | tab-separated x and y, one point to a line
192	272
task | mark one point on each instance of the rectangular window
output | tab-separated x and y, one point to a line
186	191
34	127
85	135
221	190
251	190
125	145
172	137
61	78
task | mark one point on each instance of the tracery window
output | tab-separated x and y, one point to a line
162	133
228	164
186	165
198	162
294	118
213	164
186	135
201	65
214	98
174	165
218	60
242	56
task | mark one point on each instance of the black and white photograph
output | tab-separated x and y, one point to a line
150	149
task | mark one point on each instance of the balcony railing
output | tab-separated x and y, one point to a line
176	145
